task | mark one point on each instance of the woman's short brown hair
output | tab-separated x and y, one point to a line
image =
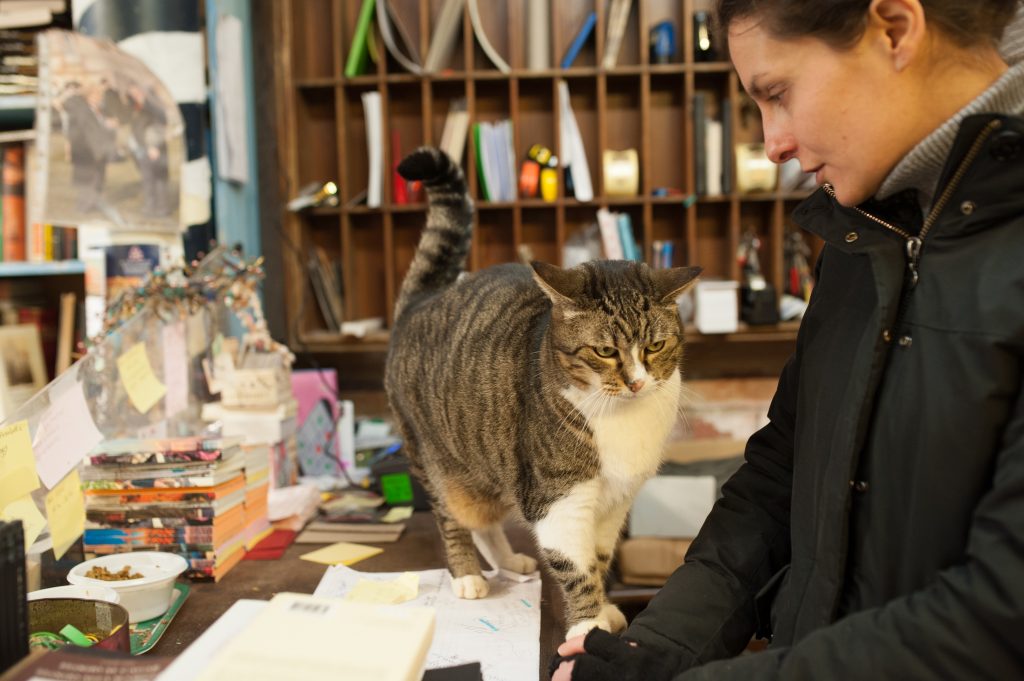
841	23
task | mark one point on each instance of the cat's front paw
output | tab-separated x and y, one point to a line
610	619
521	563
470	586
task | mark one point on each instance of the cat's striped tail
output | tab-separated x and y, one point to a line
441	254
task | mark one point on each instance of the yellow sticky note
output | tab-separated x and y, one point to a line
143	387
17	463
397	514
341	553
65	511
391	591
32	521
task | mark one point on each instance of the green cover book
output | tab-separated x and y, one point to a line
359	54
481	175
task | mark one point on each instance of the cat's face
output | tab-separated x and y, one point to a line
614	325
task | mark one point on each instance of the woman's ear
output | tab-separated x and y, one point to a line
902	23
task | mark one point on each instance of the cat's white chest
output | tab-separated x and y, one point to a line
630	438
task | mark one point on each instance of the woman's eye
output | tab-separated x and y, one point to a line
656	346
605	351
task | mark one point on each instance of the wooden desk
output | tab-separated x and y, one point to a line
418	549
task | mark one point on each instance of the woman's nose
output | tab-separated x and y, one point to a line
779	144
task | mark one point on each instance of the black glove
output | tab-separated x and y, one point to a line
610	658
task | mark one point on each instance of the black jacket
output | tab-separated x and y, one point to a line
876	529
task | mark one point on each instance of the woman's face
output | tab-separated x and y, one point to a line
843	114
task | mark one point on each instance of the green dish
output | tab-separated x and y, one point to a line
145	634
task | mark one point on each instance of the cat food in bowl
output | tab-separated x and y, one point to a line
146	596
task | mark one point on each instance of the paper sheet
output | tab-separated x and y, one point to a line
65	434
17	463
397	514
391	592
143	387
175	368
501	631
65	511
32	521
341	553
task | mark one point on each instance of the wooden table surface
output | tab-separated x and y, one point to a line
419	548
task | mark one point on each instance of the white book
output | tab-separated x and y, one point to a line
375	147
713	150
574	156
456	126
618	16
508	157
311	637
608	223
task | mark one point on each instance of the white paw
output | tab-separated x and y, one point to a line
469	586
610	619
611	614
521	563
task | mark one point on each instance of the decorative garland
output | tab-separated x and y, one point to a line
223	276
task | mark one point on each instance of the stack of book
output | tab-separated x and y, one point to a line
257	485
180	495
274	427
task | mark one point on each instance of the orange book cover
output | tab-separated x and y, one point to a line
13	197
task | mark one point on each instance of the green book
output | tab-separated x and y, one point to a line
481	175
359	54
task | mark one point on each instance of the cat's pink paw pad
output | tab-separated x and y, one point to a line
470	586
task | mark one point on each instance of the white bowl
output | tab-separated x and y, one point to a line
89	593
146	597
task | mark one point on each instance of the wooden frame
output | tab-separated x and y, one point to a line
22	369
635	104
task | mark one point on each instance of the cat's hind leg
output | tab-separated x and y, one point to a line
494	546
460	512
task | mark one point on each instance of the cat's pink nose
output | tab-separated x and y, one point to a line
636	385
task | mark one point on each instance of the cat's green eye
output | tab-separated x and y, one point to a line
605	351
656	346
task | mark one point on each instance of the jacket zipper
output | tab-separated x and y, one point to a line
913	243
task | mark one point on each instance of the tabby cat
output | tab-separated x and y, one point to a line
543	394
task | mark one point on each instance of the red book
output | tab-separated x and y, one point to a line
397	181
13	197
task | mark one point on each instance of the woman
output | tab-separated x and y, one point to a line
876	529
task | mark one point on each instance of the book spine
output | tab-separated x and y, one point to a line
358	55
13	197
579	41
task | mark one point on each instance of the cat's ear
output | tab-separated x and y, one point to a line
561	286
672	283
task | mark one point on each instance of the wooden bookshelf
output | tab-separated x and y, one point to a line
322	136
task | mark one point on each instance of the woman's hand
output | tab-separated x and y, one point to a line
600	656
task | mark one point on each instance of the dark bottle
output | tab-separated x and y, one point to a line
703	48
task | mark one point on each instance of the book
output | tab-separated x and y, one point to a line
399	192
359	53
700	143
538	35
579	41
713	156
456	125
727	152
382	643
388	16
442	42
478	149
574	155
611	242
626	236
12	196
618	17
374	147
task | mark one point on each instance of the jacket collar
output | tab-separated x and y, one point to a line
988	190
